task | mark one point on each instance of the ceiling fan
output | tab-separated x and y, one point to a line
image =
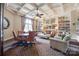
39	14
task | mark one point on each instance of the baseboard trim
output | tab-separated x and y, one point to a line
8	39
8	43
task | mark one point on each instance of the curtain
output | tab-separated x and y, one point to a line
23	22
27	25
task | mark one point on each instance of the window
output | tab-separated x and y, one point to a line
28	25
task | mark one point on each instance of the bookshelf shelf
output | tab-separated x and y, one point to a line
49	25
63	25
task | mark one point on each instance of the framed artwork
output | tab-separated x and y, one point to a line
6	23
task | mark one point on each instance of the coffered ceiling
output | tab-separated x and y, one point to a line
48	9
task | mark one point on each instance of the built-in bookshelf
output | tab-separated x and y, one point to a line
49	25
63	25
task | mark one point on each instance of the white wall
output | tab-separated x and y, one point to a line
74	17
15	24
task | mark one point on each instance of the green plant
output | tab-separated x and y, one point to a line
63	36
68	38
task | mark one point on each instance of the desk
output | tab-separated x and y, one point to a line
23	40
26	38
23	36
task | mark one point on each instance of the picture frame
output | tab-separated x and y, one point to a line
6	23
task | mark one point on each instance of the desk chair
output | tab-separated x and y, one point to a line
20	32
19	40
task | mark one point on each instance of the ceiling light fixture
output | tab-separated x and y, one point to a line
38	14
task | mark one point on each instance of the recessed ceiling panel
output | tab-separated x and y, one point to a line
14	5
29	6
69	7
38	4
47	10
23	11
58	11
54	5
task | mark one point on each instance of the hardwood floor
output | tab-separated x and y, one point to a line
41	48
22	51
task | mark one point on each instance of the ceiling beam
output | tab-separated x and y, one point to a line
24	7
41	4
21	7
51	7
62	7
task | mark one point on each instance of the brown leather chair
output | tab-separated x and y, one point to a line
31	37
20	32
16	37
20	41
